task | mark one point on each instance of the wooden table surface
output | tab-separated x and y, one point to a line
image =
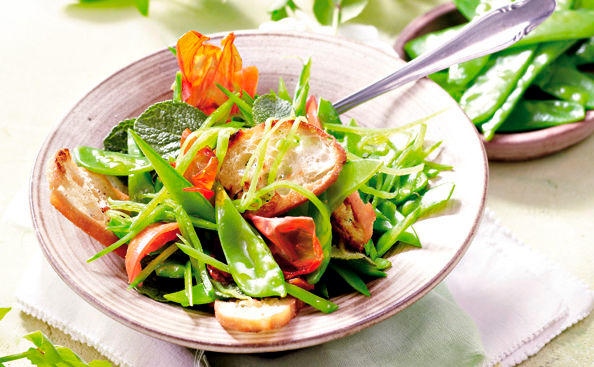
54	51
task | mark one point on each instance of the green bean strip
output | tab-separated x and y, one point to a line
189	232
199	296
139	224
218	115
311	299
177	97
245	108
351	278
152	266
188	283
201	256
139	184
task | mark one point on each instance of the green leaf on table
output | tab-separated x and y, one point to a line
142	6
4	311
163	123
334	12
270	105
279	9
117	139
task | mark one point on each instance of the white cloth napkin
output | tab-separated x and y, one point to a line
518	300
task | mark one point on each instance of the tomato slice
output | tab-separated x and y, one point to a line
294	243
150	239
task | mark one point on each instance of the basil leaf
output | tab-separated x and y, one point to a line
162	124
270	105
117	139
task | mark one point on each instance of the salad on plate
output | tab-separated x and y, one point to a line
249	206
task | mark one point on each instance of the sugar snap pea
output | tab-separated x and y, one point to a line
110	163
494	84
564	73
533	115
139	184
544	55
170	269
250	261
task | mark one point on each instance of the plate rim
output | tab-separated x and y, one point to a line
261	346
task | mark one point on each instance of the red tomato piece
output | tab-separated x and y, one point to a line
150	239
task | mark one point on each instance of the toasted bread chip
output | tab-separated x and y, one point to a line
353	220
255	315
314	163
81	196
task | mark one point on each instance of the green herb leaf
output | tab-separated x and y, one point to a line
142	6
117	139
270	105
162	124
334	12
279	9
4	311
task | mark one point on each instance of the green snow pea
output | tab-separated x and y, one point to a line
250	261
495	83
432	200
354	174
311	299
460	75
327	113
533	115
199	296
365	268
138	183
170	269
351	278
192	202
562	25
429	41
110	163
544	55
585	54
391	213
562	74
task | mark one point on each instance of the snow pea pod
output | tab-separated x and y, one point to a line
495	83
311	299
562	25
585	54
250	261
170	269
199	296
532	115
354	174
351	278
460	75
563	73
138	183
432	200
192	202
544	55
110	163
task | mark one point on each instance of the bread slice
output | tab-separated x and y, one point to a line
81	196
353	220
313	163
255	315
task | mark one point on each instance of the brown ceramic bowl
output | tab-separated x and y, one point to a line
503	147
128	92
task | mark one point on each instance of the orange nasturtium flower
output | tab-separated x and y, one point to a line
203	66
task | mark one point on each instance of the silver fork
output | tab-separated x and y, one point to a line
487	34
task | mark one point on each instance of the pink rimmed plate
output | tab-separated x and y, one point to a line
338	68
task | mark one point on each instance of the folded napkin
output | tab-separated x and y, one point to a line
502	293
